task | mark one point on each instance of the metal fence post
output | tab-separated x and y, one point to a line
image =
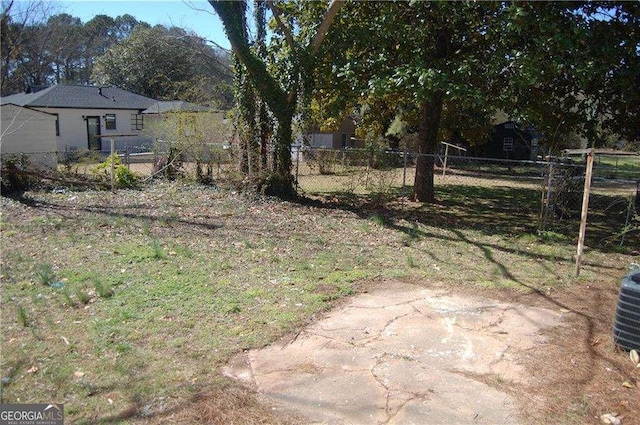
404	174
546	198
297	164
113	166
626	223
446	156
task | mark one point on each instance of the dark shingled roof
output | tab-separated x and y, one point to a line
80	97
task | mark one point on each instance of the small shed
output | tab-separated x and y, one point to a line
30	132
512	141
341	137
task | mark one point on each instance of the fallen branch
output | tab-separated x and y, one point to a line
40	175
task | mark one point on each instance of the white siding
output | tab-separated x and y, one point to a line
322	140
73	128
30	132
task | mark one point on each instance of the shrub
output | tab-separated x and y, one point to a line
123	176
13	177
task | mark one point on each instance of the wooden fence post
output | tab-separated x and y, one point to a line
446	156
585	208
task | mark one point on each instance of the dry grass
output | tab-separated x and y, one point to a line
581	374
228	405
196	274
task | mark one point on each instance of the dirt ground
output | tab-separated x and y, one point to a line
581	373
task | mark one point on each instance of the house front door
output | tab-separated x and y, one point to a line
93	133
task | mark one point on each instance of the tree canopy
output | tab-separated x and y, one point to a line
443	69
165	63
41	47
449	67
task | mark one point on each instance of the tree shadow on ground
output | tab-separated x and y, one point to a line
129	211
493	210
509	212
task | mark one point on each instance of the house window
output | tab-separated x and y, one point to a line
507	144
57	124
510	125
110	121
137	121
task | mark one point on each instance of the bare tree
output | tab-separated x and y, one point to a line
23	31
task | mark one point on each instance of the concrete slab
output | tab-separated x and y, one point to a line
401	354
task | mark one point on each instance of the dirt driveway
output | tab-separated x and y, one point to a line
404	354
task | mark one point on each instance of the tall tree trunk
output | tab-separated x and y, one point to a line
264	135
280	181
430	114
280	102
246	100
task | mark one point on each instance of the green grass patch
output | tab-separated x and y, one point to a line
82	295
377	219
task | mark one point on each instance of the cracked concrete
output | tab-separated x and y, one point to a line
401	354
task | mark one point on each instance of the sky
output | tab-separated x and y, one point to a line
196	15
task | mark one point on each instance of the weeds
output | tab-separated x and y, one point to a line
45	274
157	252
234	309
82	296
103	290
23	320
378	219
68	299
550	236
231	274
145	229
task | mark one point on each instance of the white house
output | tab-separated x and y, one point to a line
28	131
337	138
86	116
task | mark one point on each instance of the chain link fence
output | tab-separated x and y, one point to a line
203	162
544	195
537	195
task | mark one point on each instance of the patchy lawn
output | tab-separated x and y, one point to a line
123	306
